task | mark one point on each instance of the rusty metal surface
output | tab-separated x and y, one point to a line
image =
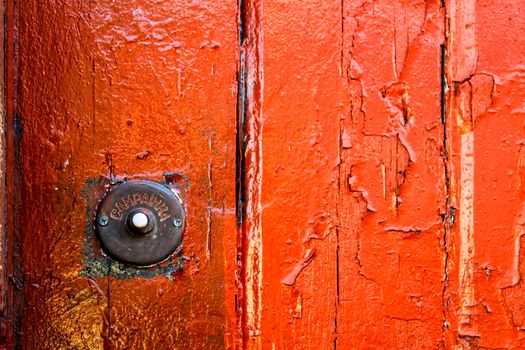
160	236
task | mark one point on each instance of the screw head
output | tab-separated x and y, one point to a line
177	222
103	220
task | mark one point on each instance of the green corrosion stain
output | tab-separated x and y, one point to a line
98	266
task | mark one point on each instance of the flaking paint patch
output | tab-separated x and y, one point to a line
390	106
318	229
291	277
462	39
466	212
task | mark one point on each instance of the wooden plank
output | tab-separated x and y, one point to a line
392	191
114	89
53	138
486	74
302	102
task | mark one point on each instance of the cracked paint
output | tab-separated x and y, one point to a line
356	172
484	135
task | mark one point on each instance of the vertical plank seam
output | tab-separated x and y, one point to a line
249	174
461	65
448	215
340	162
13	180
3	188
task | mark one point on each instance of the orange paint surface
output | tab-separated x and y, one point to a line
352	173
98	84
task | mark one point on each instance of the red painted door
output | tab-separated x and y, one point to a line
351	173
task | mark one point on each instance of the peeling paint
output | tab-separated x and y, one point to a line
290	279
384	209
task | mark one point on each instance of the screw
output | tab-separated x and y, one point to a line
177	222
103	221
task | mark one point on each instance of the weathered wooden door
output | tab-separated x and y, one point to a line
352	172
